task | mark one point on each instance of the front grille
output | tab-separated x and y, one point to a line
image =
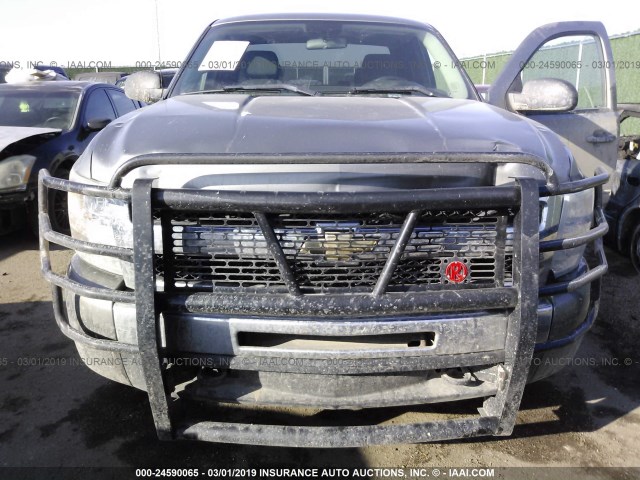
334	253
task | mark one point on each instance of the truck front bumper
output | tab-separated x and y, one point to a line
325	351
251	343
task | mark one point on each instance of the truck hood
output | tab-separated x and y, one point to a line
230	123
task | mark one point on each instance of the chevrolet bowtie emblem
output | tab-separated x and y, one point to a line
338	244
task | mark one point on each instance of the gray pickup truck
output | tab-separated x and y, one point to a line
321	212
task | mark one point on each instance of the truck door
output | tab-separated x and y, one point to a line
578	53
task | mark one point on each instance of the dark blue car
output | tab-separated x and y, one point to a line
48	125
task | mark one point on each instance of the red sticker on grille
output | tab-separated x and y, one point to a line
456	272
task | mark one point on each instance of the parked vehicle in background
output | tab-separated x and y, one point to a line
623	209
48	125
320	211
59	70
166	75
4	69
482	89
102	77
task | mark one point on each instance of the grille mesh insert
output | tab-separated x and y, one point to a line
334	253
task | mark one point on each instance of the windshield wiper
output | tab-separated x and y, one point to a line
263	87
410	89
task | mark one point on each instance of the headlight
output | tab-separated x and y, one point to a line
102	221
576	219
106	222
14	171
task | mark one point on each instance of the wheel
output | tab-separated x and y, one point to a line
634	247
58	208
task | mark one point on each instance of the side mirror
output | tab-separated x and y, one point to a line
96	124
544	95
144	86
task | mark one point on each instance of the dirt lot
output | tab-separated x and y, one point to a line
58	416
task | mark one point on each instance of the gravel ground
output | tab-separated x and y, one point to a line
588	415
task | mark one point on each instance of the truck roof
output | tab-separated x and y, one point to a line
320	17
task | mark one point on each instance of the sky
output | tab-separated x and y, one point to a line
86	33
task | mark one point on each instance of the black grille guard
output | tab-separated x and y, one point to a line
497	417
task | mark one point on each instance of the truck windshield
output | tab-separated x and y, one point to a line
322	58
34	107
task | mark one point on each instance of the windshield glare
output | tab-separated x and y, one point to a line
326	57
37	108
